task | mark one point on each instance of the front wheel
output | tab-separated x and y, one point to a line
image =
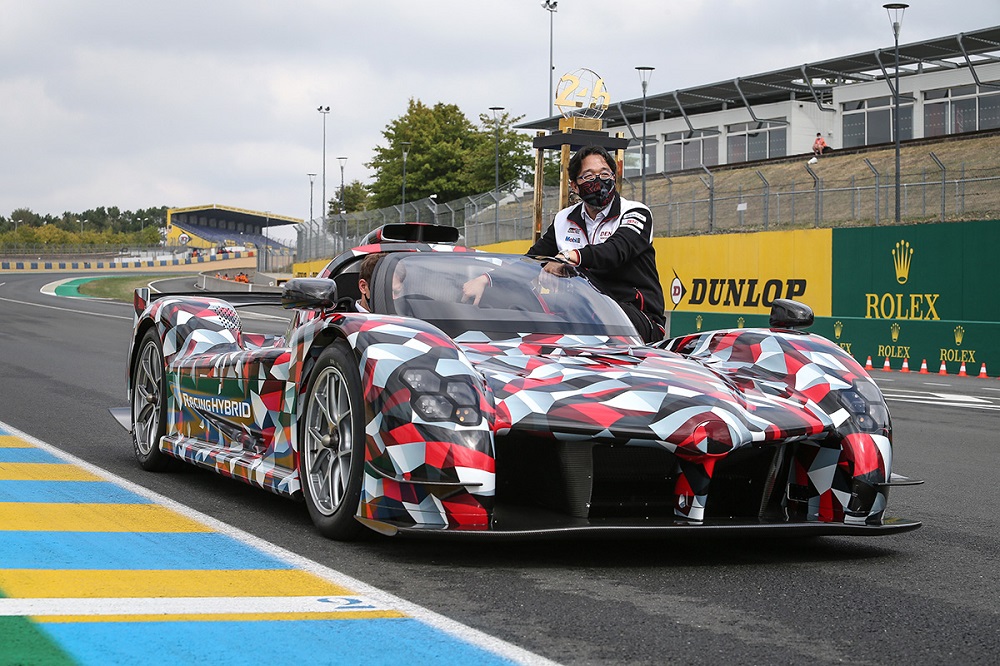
331	448
149	406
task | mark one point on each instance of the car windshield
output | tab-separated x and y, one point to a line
520	298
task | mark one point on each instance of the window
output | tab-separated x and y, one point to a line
755	141
633	158
963	115
961	109
870	121
880	126
690	150
935	119
989	112
736	148
854	130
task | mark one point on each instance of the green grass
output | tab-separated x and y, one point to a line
26	643
118	288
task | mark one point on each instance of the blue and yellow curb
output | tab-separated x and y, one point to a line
97	570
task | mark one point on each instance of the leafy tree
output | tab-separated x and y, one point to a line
447	155
551	170
516	158
51	234
440	140
356	197
100	226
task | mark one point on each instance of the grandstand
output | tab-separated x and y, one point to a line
222	229
216	226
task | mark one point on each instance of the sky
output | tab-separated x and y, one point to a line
138	104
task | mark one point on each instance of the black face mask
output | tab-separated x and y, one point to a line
598	192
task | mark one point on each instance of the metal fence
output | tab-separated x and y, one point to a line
70	251
483	219
854	201
699	203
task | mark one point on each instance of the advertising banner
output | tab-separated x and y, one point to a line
745	273
923	294
920	292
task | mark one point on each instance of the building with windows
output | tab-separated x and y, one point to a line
948	85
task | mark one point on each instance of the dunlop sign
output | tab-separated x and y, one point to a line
743	274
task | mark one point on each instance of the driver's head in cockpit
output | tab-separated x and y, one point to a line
368	265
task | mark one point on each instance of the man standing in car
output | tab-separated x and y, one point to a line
611	238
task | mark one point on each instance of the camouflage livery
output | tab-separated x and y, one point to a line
533	426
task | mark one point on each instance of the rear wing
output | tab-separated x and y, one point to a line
144	296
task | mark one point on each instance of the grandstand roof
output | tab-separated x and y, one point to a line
235	215
809	81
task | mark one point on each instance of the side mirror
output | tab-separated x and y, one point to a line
309	293
786	313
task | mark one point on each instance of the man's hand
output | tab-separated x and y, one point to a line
558	268
474	288
563	267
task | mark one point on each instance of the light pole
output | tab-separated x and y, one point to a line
644	74
895	11
551	5
311	176
343	199
325	110
496	173
406	151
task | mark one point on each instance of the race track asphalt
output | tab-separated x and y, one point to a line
925	597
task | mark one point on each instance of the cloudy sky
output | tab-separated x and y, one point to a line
135	104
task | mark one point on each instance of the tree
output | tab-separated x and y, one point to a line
440	140
100	226
516	161
356	197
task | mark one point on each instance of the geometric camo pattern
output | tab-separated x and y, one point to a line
234	399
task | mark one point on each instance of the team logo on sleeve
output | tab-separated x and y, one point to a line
635	221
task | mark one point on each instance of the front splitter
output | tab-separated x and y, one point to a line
570	528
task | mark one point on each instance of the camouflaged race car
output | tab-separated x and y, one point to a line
537	411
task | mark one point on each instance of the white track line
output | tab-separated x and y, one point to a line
185	606
375	595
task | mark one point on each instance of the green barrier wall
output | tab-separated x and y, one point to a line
920	293
933	342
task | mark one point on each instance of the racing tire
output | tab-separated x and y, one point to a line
331	446
149	406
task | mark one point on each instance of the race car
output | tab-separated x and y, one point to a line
532	411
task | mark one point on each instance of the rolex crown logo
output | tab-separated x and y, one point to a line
698	322
740	322
959	334
894	329
838	328
901	256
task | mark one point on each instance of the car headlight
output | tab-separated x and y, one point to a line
865	403
422	380
438	398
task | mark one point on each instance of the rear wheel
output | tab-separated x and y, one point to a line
331	448
149	405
